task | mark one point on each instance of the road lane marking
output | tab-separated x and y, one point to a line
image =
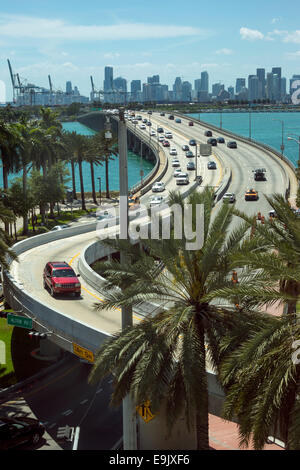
67	412
51	381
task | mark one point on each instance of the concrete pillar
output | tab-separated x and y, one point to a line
48	351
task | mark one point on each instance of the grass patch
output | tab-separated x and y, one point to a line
7	372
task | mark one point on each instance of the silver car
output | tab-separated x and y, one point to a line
229	197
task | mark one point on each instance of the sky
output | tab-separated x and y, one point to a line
72	40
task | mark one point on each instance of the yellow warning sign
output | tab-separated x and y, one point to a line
145	412
82	352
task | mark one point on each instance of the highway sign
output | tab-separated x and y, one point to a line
83	352
145	412
16	320
205	149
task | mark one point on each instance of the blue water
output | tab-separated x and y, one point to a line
263	128
134	166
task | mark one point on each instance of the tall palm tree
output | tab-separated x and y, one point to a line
107	148
6	216
164	358
80	147
261	379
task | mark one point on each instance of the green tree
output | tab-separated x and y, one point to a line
164	358
107	149
6	217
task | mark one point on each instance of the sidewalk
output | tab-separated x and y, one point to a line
224	435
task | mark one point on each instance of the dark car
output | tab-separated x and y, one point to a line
208	133
192	142
191	123
178	120
212	141
149	112
144	121
185	148
16	431
149	123
59	278
162	114
171	116
191	166
189	154
212	166
160	130
221	140
166	143
232	144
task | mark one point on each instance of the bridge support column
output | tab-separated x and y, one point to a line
48	351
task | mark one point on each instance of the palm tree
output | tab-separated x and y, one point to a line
107	148
262	382
6	217
261	379
164	358
80	146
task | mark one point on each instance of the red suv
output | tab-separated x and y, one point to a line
59	278
166	143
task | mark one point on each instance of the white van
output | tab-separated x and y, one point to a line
182	178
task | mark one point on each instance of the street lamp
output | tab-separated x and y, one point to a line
298	142
282	131
99	178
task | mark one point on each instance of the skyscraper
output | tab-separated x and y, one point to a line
69	88
177	88
270	86
277	82
239	84
186	91
252	87
204	81
261	75
108	79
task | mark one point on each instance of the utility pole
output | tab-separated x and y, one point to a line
129	412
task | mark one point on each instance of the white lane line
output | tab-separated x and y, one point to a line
67	412
52	425
99	390
84	401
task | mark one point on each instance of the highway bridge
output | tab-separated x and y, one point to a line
73	321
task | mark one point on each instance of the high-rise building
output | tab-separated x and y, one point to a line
270	86
261	75
135	88
108	79
186	91
277	82
231	92
153	79
283	89
240	83
197	85
177	88
204	81
216	88
69	88
252	87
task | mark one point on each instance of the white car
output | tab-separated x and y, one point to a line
59	227
168	135
161	138
229	197
175	163
158	187
173	151
177	172
152	133
142	126
156	201
182	178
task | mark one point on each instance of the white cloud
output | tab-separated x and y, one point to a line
251	34
17	26
224	51
111	55
292	37
274	20
293	55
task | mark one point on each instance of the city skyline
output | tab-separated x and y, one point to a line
71	42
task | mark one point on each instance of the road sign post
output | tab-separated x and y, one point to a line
83	352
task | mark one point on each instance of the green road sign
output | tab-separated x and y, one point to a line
16	320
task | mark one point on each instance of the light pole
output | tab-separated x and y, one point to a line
99	178
129	416
298	142
282	131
